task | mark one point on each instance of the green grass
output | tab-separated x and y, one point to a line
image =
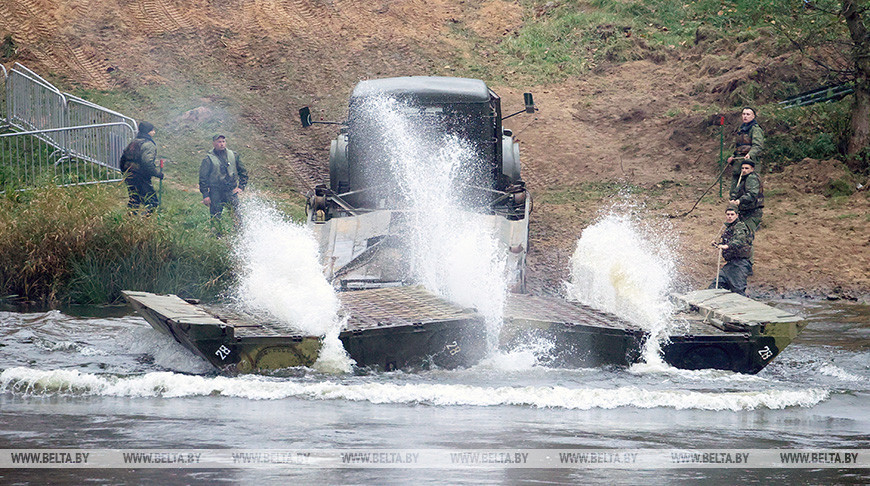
840	187
176	253
588	191
774	192
569	38
80	245
815	131
229	106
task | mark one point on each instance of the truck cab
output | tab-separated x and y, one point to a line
361	218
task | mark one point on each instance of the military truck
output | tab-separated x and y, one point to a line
361	218
362	224
361	221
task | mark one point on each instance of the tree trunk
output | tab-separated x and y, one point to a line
860	136
859	139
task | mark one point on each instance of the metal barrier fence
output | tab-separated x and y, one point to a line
82	113
33	103
67	129
29	159
3	121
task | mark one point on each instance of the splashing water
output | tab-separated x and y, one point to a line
281	277
617	268
454	251
31	382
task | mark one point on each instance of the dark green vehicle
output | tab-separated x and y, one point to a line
361	218
360	221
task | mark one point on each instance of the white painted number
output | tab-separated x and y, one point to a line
223	352
453	348
765	353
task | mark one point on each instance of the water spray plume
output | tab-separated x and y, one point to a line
617	268
280	276
454	252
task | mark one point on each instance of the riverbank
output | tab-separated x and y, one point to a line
82	245
811	246
629	96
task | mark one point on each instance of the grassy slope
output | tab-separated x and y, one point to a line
553	42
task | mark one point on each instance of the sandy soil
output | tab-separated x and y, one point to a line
645	124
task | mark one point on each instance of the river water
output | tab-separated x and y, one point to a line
89	382
82	382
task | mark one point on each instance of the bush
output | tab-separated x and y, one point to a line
815	131
860	162
81	245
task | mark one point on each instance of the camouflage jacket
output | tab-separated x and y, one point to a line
749	193
739	241
145	168
752	143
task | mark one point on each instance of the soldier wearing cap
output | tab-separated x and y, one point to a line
748	195
736	247
221	177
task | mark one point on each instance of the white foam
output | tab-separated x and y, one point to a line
626	269
281	277
662	368
68	346
455	254
28	381
527	355
839	373
516	360
166	351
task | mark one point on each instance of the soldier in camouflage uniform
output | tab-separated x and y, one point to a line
222	177
748	145
137	163
748	196
736	246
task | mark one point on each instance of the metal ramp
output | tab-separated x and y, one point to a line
727	307
825	94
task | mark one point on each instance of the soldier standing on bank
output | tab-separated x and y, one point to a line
748	196
137	163
748	145
221	177
736	247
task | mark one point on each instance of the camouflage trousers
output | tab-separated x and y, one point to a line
752	220
733	276
141	193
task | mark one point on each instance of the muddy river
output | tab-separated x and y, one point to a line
72	381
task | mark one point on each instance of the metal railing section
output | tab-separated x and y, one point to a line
3	115
69	131
82	112
825	94
29	158
34	104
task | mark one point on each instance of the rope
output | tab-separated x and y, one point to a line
702	195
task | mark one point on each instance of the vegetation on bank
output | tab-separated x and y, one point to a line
572	38
80	245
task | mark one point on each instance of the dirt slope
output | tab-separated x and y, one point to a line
644	123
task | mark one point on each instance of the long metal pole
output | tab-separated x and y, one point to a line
160	190
721	151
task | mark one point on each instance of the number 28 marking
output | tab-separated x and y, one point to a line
222	352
